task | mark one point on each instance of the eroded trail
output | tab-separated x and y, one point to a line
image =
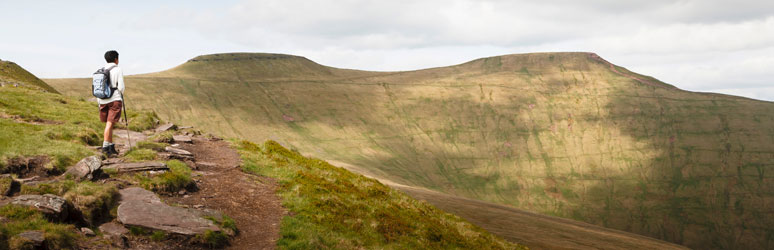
250	200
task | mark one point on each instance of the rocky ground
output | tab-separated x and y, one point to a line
221	204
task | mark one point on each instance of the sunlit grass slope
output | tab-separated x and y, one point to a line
565	134
333	208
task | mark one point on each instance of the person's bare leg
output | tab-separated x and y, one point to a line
108	132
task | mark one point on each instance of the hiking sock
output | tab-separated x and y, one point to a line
105	144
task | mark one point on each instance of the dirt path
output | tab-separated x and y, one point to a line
250	200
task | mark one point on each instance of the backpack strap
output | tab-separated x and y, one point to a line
107	70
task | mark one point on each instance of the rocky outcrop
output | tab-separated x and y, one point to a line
86	168
54	207
142	208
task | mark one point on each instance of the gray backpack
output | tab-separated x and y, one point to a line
100	83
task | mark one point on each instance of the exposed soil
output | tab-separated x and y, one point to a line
30	166
250	200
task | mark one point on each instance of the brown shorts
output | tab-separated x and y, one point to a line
110	111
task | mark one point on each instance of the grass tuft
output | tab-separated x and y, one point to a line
177	178
140	155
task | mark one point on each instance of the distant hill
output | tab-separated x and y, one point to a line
563	134
11	73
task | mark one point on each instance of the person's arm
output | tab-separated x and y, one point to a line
120	81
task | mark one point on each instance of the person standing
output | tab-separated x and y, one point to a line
110	108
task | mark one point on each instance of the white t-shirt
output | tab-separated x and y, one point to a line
116	81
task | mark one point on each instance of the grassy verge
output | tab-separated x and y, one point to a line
92	199
335	208
21	219
37	123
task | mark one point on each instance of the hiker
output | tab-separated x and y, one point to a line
111	103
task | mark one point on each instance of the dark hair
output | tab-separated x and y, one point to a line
111	56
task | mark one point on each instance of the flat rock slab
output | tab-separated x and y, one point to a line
166	127
85	168
142	208
138	166
53	206
205	165
182	138
178	151
112	228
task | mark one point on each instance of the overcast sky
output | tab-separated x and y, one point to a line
701	45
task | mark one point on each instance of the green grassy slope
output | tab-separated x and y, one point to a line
62	128
564	134
11	73
336	209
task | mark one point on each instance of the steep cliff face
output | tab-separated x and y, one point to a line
565	134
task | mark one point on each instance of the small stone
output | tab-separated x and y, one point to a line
198	206
112	228
182	192
166	127
87	231
178	151
186	196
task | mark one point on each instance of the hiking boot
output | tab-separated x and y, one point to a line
105	150
112	149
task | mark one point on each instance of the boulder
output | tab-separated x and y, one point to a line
142	208
28	240
138	166
182	138
54	207
166	127
85	169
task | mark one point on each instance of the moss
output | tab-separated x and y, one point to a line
213	239
140	155
158	236
335	208
177	178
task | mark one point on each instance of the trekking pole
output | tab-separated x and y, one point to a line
126	121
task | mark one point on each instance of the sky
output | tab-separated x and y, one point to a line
699	45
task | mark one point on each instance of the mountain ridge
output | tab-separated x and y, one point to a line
562	134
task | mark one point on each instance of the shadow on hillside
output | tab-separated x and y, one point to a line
702	178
